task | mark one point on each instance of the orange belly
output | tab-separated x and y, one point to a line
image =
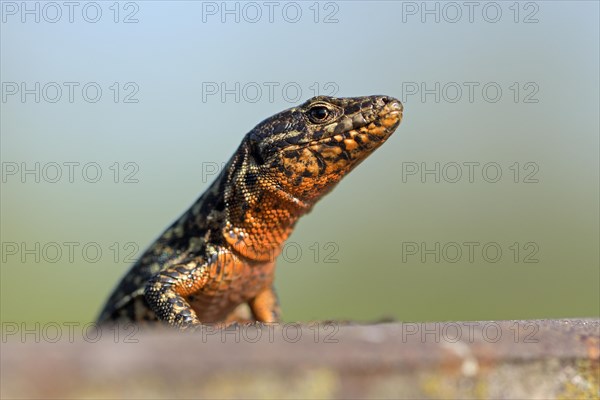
232	281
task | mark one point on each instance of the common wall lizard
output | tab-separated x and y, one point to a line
221	252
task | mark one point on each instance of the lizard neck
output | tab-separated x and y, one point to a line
259	214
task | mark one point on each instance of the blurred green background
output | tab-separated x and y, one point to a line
381	222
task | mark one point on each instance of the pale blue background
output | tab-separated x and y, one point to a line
171	134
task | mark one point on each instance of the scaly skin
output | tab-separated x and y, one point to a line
221	252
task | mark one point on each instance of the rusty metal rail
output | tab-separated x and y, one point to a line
542	359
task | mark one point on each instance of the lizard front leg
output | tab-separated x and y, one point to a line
165	293
265	306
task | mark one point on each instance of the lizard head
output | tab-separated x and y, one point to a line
290	160
307	149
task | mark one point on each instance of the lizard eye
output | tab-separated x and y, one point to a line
318	114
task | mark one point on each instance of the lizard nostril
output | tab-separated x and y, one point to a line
382	100
390	102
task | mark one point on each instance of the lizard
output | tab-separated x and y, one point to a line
221	252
